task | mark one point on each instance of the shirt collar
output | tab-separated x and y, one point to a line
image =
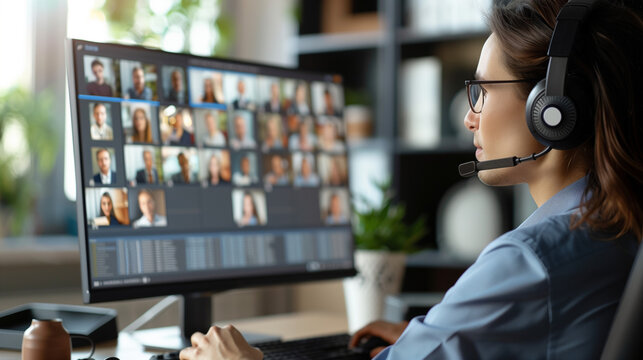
564	201
106	178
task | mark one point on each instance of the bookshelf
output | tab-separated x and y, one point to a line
371	60
372	64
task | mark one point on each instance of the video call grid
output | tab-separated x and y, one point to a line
160	142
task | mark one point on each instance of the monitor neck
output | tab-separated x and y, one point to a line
196	313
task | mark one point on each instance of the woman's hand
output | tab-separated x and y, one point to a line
385	330
220	343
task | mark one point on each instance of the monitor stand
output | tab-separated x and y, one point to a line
196	315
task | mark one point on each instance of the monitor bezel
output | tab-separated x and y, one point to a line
92	295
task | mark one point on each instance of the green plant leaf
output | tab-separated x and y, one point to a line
383	227
32	112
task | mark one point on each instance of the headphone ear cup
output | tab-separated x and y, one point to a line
551	119
535	96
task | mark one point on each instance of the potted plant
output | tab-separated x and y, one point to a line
27	153
383	239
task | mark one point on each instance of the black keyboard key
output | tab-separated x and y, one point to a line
174	355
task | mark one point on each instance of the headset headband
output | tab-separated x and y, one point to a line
562	41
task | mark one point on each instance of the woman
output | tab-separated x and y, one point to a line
335	215
142	129
249	215
212	89
214	172
273	139
306	176
107	209
336	175
550	288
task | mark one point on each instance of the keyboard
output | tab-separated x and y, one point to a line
332	347
318	348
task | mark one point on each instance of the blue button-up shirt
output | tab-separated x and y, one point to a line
541	291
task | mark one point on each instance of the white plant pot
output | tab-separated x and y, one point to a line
379	273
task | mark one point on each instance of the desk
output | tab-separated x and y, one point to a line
288	326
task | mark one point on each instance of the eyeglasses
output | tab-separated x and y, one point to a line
475	89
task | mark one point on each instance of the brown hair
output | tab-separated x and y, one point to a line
607	55
146	136
254	205
102	213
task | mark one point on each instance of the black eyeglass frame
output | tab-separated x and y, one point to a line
468	84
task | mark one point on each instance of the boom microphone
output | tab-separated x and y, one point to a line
472	167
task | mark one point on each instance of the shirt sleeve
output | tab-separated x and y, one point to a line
499	308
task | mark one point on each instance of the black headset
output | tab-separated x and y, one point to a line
559	107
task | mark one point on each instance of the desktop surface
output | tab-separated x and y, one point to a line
286	326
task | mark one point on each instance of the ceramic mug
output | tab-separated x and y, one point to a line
46	340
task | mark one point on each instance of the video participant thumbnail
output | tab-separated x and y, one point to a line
297	97
101	124
304	169
102	80
242	130
106	207
177	126
140	124
333	169
138	80
272	132
327	98
173	78
103	166
303	136
278	169
216	170
143	165
244	168
180	165
330	134
270	95
148	208
249	207
335	207
211	127
206	86
240	90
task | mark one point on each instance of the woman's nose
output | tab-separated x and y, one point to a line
471	120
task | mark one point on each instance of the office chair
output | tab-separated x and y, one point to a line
626	335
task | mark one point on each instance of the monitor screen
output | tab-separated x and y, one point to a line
200	174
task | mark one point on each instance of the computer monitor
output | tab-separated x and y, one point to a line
197	175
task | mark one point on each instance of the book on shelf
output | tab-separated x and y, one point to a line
420	94
454	16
